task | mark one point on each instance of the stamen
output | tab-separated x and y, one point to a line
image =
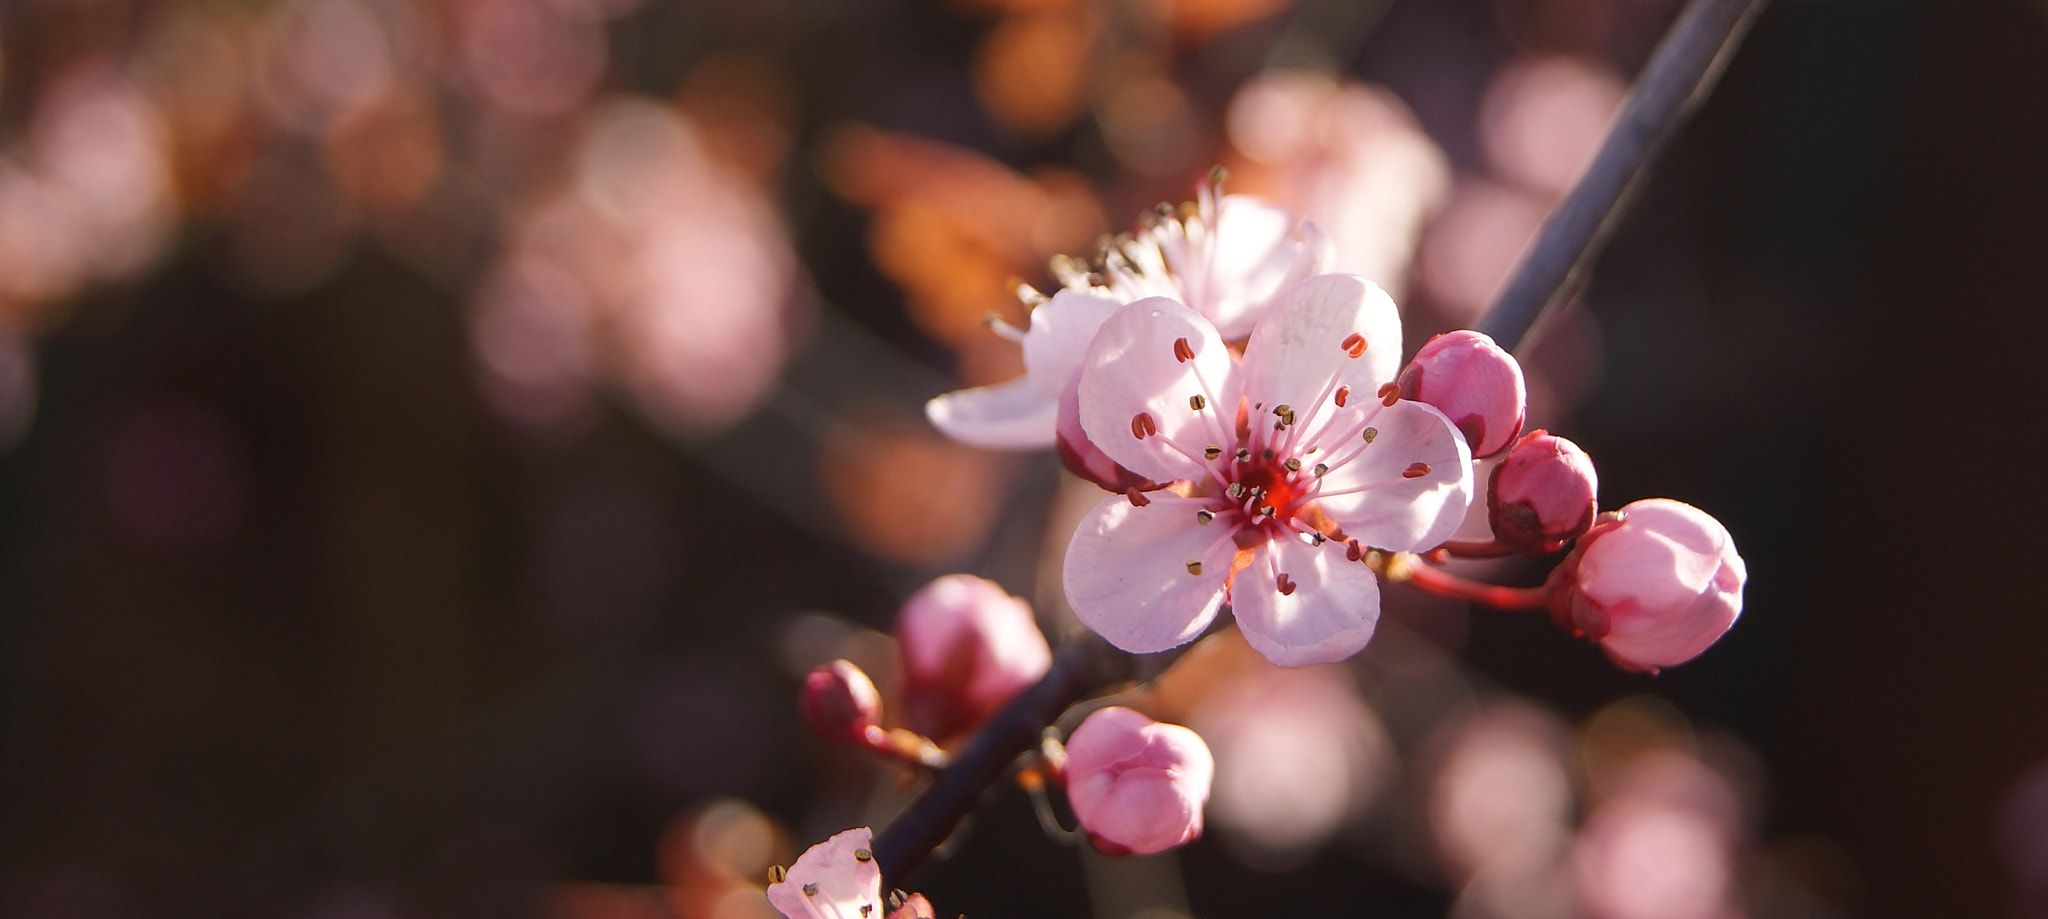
811	889
1343	395
1003	330
1137	498
1197	403
866	908
1285	413
1205	517
894	901
1244	455
1390	394
1267	511
1321	469
863	855
1415	471
1351	551
1266	454
1212	451
1354	345
1286	584
1235	490
1182	351
777	874
1195	566
1142	425
1293	464
1370	434
1029	295
1317	539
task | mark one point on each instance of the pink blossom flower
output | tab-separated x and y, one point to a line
1543	495
1294	463
835	879
1474	383
1654	583
1137	786
839	702
1224	256
968	646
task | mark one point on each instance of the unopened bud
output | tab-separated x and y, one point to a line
1474	383
968	646
1543	495
1654	583
1080	455
840	702
1137	786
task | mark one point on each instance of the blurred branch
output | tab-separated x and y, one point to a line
1679	74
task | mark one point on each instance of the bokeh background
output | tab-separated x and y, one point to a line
439	435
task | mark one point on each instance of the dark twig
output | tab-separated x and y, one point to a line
1679	74
1676	77
1082	667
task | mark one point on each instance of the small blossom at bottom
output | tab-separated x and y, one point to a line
835	879
1137	786
1654	583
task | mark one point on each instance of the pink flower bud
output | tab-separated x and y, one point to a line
968	646
1654	583
1474	383
1137	786
1080	455
1543	495
840	702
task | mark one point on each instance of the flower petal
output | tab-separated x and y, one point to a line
1061	329
1299	344
1328	616
1259	250
1128	578
1409	489
1134	369
1017	415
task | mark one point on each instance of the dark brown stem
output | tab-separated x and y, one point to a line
1679	74
1084	665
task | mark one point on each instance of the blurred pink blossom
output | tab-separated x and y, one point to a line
968	646
1273	516
1662	845
1137	786
1654	583
1543	118
1500	796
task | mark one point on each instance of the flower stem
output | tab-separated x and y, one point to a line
1678	75
1443	583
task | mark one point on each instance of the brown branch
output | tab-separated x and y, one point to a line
1678	75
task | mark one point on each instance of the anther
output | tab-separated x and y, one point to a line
1351	551
1195	566
1354	345
1197	403
1182	351
1321	469
1212	451
1266	454
1371	434
1286	584
1293	464
811	889
1244	455
1268	511
1217	174
777	874
1029	295
894	901
1415	471
1138	499
1343	395
1205	517
863	855
1284	412
1235	490
866	908
1317	539
1142	425
1390	394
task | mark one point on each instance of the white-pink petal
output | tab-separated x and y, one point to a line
1300	343
1061	329
1017	415
1136	390
1327	615
1128	578
1258	250
1409	489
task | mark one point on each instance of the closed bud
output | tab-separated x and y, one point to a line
1080	455
840	702
968	646
1137	786
1654	584
1474	383
1543	495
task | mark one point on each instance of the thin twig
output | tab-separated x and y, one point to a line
1678	75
